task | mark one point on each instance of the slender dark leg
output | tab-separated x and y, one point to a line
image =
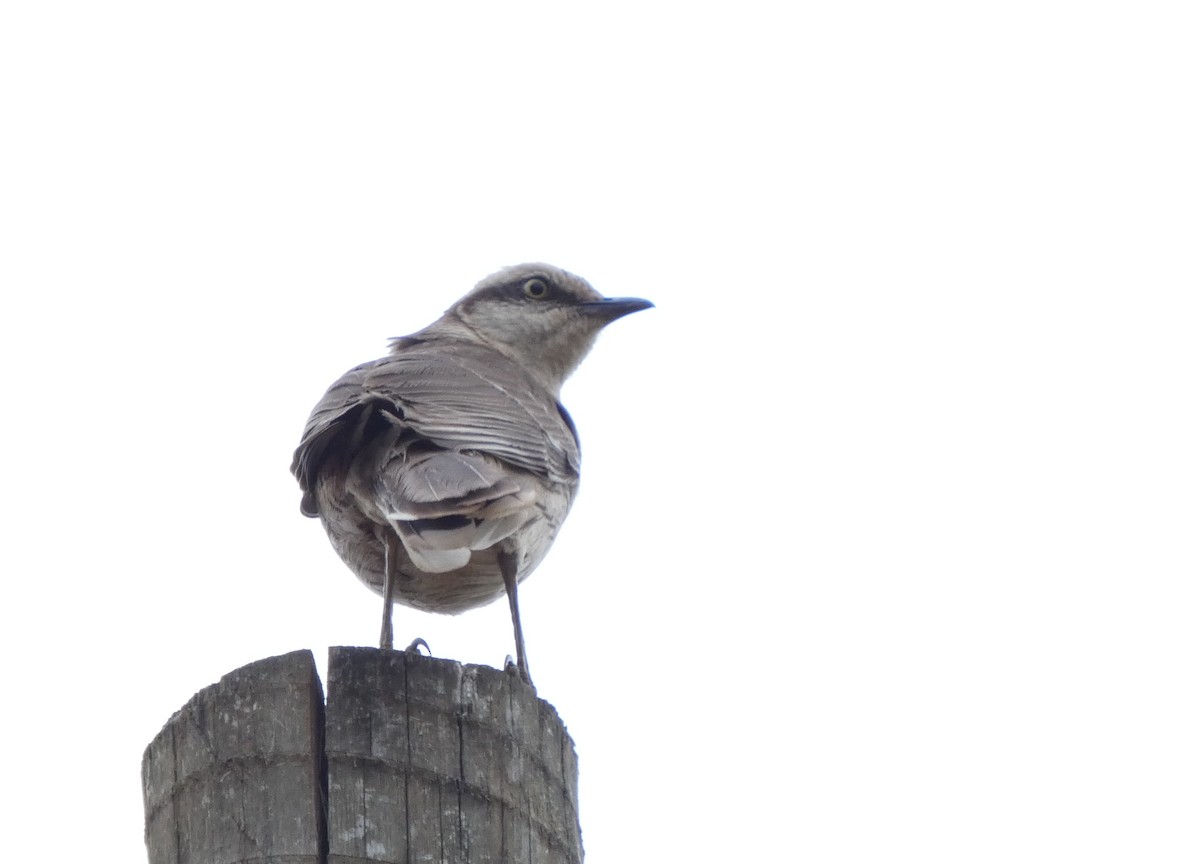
508	569
391	564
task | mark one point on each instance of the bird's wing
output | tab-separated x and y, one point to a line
463	396
338	419
457	395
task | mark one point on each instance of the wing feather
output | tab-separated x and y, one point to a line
457	395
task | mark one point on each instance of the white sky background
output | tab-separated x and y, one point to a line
886	547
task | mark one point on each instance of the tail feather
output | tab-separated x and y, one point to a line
445	504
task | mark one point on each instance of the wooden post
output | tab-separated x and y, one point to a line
235	774
412	759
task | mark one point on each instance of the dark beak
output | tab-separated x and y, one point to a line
611	308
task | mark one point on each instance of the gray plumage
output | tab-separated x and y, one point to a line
449	464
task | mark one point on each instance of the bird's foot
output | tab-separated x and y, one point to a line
415	646
511	667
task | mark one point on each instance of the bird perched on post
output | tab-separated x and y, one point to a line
443	471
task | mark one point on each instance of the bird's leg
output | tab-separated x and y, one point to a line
508	569
391	564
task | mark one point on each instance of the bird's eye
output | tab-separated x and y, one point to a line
535	288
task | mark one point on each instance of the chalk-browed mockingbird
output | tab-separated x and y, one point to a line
443	471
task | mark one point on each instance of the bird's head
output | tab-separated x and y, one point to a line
541	317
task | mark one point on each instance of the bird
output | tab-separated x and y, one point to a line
443	471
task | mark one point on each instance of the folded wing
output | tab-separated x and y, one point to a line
451	446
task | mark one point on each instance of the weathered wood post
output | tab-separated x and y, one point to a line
410	759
